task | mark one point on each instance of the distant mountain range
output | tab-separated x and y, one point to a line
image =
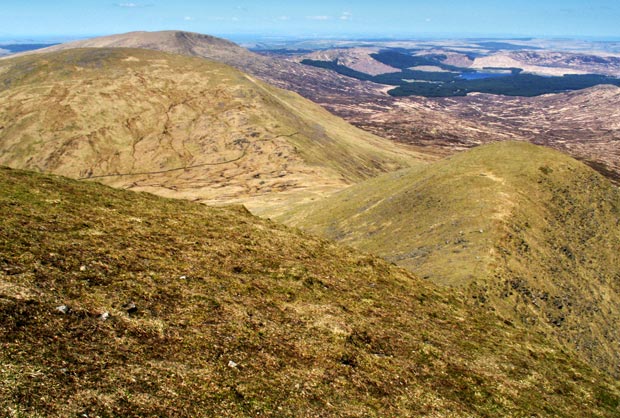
434	126
7	49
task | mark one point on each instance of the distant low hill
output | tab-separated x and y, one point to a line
180	127
115	303
524	230
6	49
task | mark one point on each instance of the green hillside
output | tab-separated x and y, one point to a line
115	303
525	230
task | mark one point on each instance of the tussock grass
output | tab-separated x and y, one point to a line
312	328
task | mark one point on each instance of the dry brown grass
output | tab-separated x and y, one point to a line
179	127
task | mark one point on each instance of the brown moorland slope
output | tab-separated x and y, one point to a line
581	123
115	303
179	127
524	230
584	124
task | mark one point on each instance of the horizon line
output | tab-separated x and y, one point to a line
44	38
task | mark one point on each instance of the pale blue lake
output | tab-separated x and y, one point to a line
482	75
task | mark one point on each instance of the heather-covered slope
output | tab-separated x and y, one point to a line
527	231
115	303
178	126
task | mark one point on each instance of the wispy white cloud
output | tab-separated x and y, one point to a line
222	19
318	17
133	5
283	18
188	18
346	16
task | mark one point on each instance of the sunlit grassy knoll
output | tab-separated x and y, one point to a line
524	230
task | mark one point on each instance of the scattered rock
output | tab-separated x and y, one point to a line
183	277
104	316
82	268
232	364
63	309
130	308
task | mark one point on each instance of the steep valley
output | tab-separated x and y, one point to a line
445	266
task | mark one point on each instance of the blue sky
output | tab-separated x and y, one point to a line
322	18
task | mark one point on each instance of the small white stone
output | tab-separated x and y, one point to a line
104	316
183	277
82	268
63	309
232	364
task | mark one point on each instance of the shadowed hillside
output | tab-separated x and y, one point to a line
125	304
525	230
178	126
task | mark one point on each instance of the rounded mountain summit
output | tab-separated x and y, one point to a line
178	126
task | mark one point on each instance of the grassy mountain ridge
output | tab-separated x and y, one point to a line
119	303
178	126
312	83
523	229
